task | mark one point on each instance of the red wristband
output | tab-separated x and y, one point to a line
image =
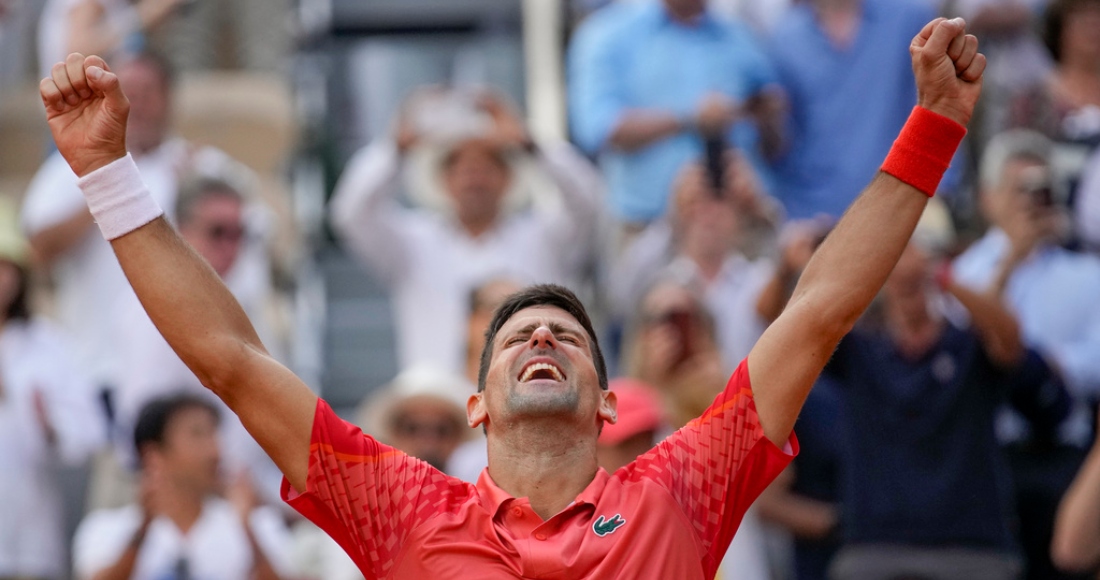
923	150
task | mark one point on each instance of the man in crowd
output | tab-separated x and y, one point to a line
432	258
827	53
1052	292
542	387
179	529
648	80
89	285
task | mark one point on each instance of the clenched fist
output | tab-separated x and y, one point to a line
86	111
948	69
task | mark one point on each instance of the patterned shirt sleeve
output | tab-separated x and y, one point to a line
717	465
366	495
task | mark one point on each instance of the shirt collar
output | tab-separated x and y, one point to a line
493	497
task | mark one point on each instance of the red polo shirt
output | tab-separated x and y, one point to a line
670	514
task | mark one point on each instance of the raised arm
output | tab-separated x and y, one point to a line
850	267
1076	545
185	299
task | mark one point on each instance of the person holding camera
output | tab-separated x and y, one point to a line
1053	293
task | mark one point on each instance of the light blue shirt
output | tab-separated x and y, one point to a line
1055	295
847	104
633	56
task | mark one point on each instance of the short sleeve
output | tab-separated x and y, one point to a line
101	538
366	495
717	465
52	197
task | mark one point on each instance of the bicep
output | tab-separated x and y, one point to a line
783	366
277	409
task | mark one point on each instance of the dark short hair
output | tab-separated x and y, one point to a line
1054	23
198	188
155	416
541	295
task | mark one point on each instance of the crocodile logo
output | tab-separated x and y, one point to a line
602	528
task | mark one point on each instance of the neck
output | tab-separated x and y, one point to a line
182	505
546	462
477	226
839	19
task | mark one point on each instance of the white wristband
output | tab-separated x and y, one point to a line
118	199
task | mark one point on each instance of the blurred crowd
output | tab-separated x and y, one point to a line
712	146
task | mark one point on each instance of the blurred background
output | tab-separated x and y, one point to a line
372	178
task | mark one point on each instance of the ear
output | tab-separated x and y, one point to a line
476	414
608	405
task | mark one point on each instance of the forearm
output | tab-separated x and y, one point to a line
261	566
769	109
52	242
1076	545
773	298
123	568
853	262
800	515
995	325
361	212
639	128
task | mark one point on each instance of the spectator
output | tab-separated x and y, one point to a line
105	27
432	259
931	500
422	413
674	349
484	301
1016	55
804	501
210	214
1076	545
827	52
48	418
1053	293
647	78
180	529
63	235
641	422
1065	105
702	243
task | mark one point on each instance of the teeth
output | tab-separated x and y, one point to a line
530	371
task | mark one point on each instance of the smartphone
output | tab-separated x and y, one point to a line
683	322
714	160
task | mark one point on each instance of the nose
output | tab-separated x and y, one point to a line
543	338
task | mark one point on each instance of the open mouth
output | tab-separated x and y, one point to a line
541	370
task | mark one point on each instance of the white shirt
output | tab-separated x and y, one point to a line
216	547
1054	294
34	357
90	287
150	369
431	264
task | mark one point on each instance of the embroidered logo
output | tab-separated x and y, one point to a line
602	528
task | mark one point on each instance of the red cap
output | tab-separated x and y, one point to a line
639	410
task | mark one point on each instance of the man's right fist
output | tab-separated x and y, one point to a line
948	69
86	111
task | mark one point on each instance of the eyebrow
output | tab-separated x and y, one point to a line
555	329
